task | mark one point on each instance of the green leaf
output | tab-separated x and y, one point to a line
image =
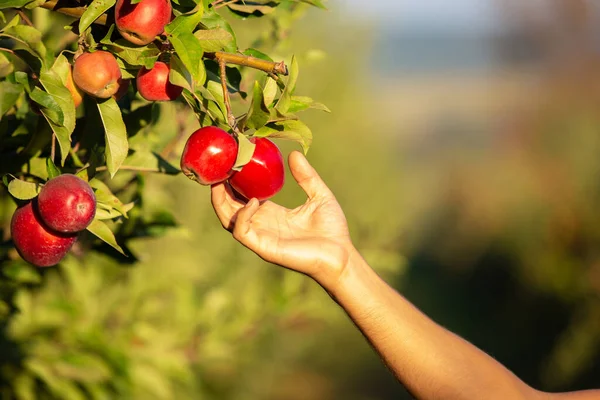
245	152
13	22
185	23
13	3
179	75
52	169
190	52
133	55
291	130
270	91
216	94
257	54
285	100
104	214
50	107
117	146
213	40
213	20
300	103
31	39
93	11
258	114
106	199
53	81
6	66
103	232
9	94
23	190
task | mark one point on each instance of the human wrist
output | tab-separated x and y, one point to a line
348	264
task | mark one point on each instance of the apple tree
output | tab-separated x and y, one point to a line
82	83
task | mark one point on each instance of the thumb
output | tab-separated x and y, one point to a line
306	176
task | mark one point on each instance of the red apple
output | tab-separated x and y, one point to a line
209	155
153	84
140	23
264	175
97	74
67	204
34	241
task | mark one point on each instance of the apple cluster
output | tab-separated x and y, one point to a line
45	229
98	74
210	154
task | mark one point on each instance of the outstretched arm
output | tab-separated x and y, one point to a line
430	361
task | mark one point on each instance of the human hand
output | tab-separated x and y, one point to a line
312	238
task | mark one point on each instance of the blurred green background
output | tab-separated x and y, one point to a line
463	145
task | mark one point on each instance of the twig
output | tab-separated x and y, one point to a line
75	12
230	117
53	148
128	168
24	17
249	61
224	4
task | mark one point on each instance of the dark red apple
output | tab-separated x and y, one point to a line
209	155
140	23
97	74
264	175
34	241
153	84
67	204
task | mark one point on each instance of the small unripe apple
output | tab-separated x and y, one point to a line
67	204
75	92
97	74
140	23
209	155
34	241
153	84
264	175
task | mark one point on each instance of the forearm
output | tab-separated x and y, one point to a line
430	361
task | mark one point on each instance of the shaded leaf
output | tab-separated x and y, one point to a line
103	232
9	94
258	114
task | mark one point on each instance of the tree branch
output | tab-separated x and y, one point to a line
269	67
